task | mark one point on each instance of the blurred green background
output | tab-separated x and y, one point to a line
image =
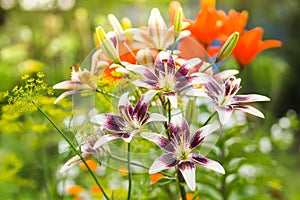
52	35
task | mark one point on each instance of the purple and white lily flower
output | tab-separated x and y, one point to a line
166	78
226	99
129	122
180	150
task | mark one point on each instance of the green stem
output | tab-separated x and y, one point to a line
169	111
138	165
181	187
129	172
72	147
106	93
211	116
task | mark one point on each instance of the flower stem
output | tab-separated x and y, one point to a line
72	147
181	187
129	172
211	116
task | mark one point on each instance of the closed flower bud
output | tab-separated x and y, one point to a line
178	21
228	47
108	44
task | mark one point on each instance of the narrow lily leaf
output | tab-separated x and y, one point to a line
188	170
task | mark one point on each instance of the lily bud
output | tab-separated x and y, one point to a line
145	57
173	7
126	23
108	44
114	22
178	21
228	47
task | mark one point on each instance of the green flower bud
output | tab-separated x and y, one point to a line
228	47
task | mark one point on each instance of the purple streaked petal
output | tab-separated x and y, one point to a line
179	129
150	84
172	97
113	38
249	109
106	138
224	112
188	170
183	82
249	98
207	163
144	71
165	161
201	134
213	88
160	67
127	137
232	85
160	140
142	105
111	122
185	68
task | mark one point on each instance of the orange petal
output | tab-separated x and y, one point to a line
91	163
74	190
270	44
95	189
190	196
155	177
206	4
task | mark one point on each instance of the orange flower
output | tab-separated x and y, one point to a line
74	190
91	163
190	196
208	24
235	21
155	177
250	44
96	190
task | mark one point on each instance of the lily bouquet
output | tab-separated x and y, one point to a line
147	98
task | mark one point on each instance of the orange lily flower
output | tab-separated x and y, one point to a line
235	21
208	24
250	44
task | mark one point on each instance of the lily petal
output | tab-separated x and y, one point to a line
219	77
186	67
142	70
111	122
172	98
188	170
105	139
207	163
163	162
160	140
179	128
249	98
224	112
202	133
249	109
67	93
70	163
